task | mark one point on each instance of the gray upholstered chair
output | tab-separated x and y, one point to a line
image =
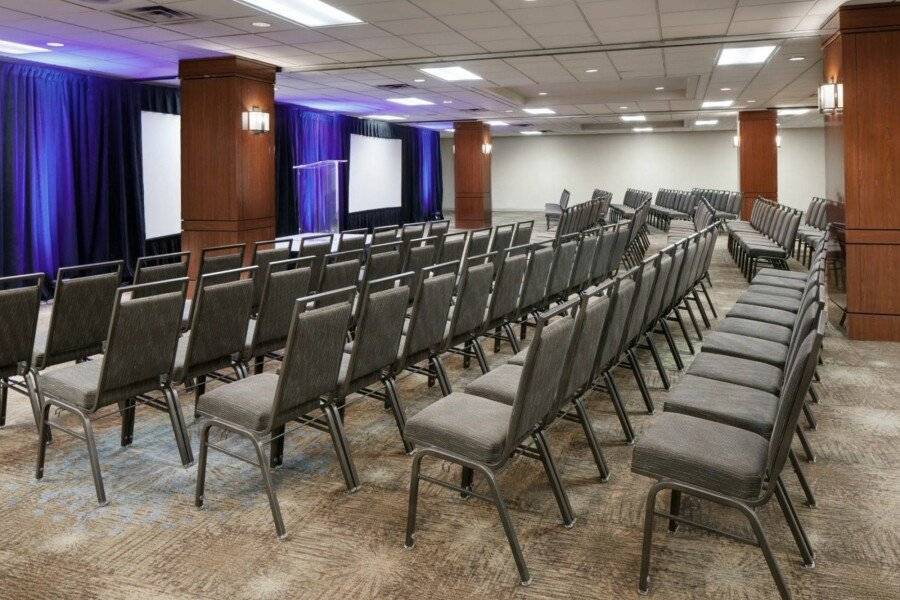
561	271
218	330
728	466
352	239
316	246
159	267
420	253
259	407
140	350
20	301
469	310
534	286
411	231
479	241
341	270
368	359
554	210
503	306
481	435
645	278
383	261
453	247
580	277
438	228
264	253
524	229
385	234
502	239
215	259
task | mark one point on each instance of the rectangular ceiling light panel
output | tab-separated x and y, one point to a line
312	13
16	48
745	56
451	73
410	101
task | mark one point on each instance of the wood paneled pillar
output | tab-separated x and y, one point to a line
472	174
757	157
227	174
863	55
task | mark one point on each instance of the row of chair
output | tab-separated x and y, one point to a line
813	228
632	200
728	426
671	205
727	203
768	237
585	215
704	215
575	348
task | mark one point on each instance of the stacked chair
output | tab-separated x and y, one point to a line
671	205
704	214
726	203
586	215
638	241
553	210
812	230
630	203
768	237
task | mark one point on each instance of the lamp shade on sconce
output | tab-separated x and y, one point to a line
255	120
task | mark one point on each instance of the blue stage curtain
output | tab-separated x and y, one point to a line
71	186
304	136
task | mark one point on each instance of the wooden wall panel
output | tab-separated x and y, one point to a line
757	157
472	174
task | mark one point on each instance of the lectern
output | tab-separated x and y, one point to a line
321	178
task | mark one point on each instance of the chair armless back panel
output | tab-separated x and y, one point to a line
479	241
620	246
215	263
417	258
664	274
453	247
537	275
523	233
505	298
312	359
352	239
608	353
383	235
468	312
262	260
383	263
587	252
143	336
339	272
428	322
152	273
410	231
19	307
645	290
601	267
378	331
282	289
580	362
219	326
563	263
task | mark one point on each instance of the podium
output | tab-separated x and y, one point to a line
321	180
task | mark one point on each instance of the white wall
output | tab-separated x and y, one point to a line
527	172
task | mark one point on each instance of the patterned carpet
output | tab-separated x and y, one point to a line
151	542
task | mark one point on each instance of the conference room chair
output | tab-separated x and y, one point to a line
264	253
383	261
729	466
138	358
368	359
669	300
501	240
522	236
469	310
83	301
218	330
215	259
534	284
20	301
285	282
561	271
385	234
316	246
453	247
504	302
554	210
420	253
479	241
645	278
352	239
481	435
259	408
654	311
160	267
584	261
425	331
341	270
438	228
411	231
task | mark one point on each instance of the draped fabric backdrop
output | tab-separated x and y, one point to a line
304	136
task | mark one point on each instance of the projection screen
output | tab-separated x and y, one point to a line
376	173
161	150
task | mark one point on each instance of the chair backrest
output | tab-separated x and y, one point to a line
316	246
20	302
438	228
383	261
670	295
216	259
621	245
219	321
410	231
523	233
646	283
541	374
385	234
286	281
601	268
479	241
352	239
312	356
340	270
141	344
564	199
593	313
609	351
563	262
265	253
82	307
428	318
453	247
421	253
537	276
160	267
472	296
508	284
379	328
663	276
584	260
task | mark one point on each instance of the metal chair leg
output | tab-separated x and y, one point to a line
524	575
639	378
397	410
466	478
767	552
128	408
479	355
270	490
34	396
649	524
674	509
807	448
351	480
794	525
200	491
178	427
276	449
690	312
657	361
591	437
4	393
700	307
562	499
709	301
619	406
413	500
810	418
43	430
442	379
684	332
511	336
94	458
670	341
801	477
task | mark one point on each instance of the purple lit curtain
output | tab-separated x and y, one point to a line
71	187
304	136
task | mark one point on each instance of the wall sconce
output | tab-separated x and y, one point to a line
736	140
255	120
486	148
778	141
831	98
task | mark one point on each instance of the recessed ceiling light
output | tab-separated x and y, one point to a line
590	70
450	130
659	88
261	24
745	56
410	101
702	122
420	80
542	93
787	112
797	58
623	108
629	118
728	113
312	13
55	44
751	101
725	89
641	129
540	111
451	73
16	48
385	117
497	123
718	103
531	132
448	101
510	111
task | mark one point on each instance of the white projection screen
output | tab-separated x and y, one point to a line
161	149
376	173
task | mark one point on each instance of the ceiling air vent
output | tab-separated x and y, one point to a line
393	86
158	15
473	110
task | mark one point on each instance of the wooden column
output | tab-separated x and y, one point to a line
227	174
472	174
863	55
757	157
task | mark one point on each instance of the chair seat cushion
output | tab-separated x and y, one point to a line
710	455
468	425
39	355
500	384
763	314
774	290
769	272
757	329
78	385
740	371
245	402
753	348
518	358
782	282
769	301
760	250
722	402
